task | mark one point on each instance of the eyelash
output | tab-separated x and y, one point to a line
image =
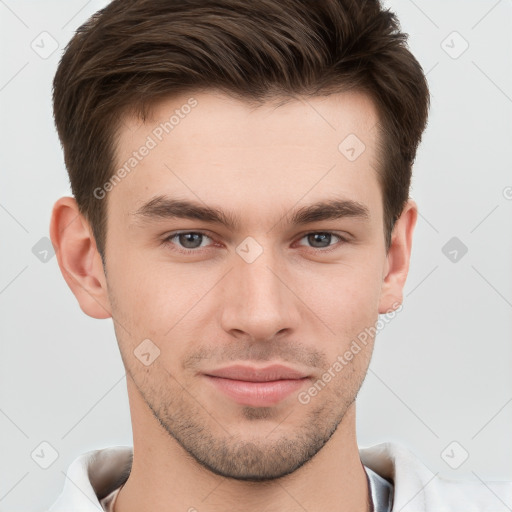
167	241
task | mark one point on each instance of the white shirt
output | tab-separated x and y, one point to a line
397	478
381	492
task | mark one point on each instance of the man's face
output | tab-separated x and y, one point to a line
265	291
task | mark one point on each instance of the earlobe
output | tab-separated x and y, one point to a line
398	257
78	258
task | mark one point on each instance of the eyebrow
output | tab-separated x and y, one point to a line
163	207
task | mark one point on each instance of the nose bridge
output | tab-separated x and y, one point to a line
258	303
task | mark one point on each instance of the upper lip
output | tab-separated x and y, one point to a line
254	374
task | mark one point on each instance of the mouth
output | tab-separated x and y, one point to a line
257	387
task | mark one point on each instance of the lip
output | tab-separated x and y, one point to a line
257	387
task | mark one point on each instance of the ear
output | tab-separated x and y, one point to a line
78	258
397	260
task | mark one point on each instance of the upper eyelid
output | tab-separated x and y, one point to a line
185	232
206	233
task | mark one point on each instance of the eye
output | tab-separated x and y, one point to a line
190	242
187	241
322	239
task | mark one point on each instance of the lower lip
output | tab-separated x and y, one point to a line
257	394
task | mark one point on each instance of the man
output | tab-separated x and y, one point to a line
241	210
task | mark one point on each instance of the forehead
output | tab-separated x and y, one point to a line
219	150
214	117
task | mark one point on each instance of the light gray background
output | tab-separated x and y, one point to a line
441	369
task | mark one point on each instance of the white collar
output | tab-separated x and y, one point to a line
416	488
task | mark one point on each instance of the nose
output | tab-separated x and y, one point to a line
259	303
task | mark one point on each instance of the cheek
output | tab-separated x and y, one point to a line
154	300
344	296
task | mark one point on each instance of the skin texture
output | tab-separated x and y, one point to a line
295	304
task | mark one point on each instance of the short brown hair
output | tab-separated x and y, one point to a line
133	53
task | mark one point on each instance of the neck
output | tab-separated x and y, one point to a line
165	477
